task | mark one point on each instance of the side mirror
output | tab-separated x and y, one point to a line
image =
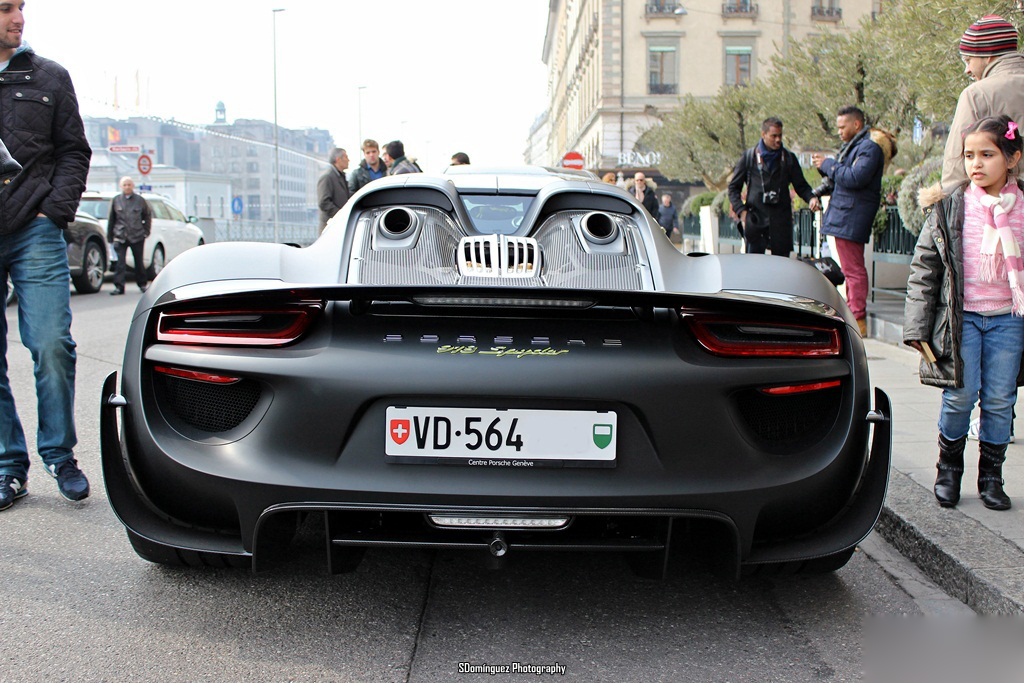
192	219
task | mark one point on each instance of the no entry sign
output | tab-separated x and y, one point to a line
573	160
146	164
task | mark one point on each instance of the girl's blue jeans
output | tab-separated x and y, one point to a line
991	352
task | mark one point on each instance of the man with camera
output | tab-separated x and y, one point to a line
768	169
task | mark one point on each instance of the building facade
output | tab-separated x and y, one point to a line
612	64
203	169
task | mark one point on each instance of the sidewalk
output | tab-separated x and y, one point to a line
973	553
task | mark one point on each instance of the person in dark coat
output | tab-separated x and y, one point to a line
668	217
768	170
332	189
43	130
644	193
854	179
128	226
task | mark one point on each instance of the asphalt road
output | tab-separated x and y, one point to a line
78	605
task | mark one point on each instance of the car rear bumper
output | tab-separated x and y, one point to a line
632	522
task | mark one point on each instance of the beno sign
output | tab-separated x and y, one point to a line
573	160
145	164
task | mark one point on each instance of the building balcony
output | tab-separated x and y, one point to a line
739	9
662	88
661	9
826	13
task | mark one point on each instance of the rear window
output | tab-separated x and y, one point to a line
158	209
496	214
96	207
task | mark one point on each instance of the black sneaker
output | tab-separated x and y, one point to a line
11	489
70	480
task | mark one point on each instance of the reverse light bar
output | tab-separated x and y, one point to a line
459	522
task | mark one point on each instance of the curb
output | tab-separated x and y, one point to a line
962	556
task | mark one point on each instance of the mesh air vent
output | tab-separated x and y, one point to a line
210	407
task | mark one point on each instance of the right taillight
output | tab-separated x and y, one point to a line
735	338
238	323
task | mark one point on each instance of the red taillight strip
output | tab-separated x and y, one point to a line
761	347
800	388
196	375
171	326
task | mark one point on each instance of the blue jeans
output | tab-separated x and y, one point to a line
36	262
991	351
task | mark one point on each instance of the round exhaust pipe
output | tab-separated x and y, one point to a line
599	228
397	222
498	546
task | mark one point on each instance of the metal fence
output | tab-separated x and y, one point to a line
895	242
265	231
691	226
803	232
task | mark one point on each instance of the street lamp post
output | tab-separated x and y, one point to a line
277	143
359	96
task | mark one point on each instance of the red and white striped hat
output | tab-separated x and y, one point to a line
989	36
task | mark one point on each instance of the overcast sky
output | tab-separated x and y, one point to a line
445	76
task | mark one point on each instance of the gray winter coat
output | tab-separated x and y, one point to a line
934	311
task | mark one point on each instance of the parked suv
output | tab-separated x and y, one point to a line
171	232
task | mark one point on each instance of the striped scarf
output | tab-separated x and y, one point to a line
1000	253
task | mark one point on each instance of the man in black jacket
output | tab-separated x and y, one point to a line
768	170
128	225
644	193
40	123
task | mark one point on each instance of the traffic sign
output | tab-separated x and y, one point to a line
236	206
573	160
145	188
125	149
145	164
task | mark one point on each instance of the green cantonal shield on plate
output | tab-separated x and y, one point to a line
602	435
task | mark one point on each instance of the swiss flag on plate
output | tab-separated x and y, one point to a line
399	431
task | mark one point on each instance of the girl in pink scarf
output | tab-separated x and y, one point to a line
976	345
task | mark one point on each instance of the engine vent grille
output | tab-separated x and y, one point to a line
210	407
498	256
792	422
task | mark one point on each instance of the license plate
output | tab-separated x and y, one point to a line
485	437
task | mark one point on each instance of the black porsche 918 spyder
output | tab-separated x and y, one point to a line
501	360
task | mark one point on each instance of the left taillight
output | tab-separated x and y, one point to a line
735	338
238	323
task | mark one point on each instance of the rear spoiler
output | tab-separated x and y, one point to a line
526	298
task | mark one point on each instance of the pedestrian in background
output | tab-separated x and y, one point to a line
965	307
767	170
370	168
645	192
855	183
128	226
332	188
668	217
609	178
989	50
460	159
35	207
394	157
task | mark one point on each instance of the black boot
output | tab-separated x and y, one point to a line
990	476
951	471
